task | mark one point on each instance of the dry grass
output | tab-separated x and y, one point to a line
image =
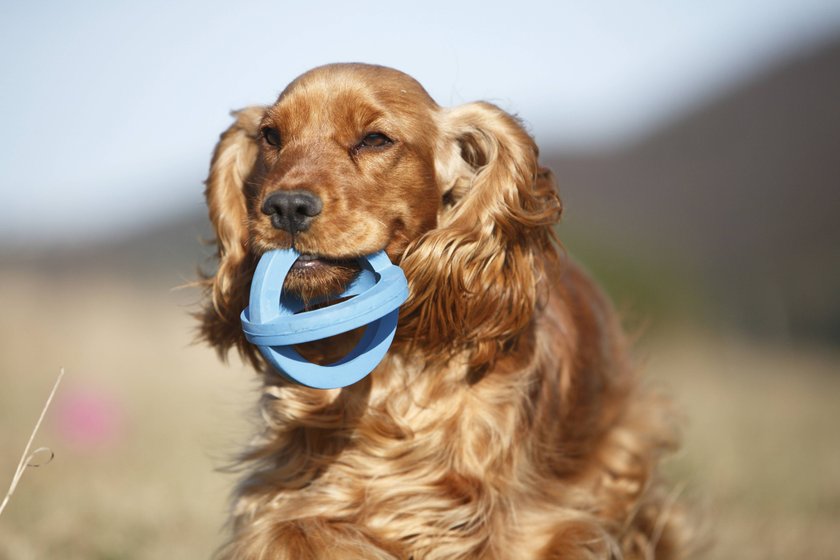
153	493
761	454
761	446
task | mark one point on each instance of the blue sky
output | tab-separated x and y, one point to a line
111	109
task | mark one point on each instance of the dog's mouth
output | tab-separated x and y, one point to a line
308	263
315	276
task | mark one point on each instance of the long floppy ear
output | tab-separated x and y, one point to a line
227	289
474	280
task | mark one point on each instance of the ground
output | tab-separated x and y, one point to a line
144	420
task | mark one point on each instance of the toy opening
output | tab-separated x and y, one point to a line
332	349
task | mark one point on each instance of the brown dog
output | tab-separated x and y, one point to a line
505	421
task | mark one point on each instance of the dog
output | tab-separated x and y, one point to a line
506	421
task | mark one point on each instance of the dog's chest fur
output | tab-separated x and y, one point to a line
428	468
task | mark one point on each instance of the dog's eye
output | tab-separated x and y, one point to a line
375	140
271	135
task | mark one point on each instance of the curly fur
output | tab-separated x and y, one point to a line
506	421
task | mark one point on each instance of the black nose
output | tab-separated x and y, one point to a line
292	211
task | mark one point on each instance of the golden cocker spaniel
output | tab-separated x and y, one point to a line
505	421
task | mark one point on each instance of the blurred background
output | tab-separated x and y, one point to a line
697	148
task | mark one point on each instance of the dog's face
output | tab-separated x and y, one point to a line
345	168
353	159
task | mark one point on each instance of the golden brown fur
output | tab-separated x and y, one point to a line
505	421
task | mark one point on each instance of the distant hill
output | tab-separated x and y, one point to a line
745	191
742	195
159	258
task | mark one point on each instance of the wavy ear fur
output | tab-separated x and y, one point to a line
475	278
227	289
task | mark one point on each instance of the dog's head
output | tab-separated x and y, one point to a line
352	159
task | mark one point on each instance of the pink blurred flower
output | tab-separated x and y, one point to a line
88	418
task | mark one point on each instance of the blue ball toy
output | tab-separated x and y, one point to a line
275	321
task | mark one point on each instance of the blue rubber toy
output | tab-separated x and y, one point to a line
274	321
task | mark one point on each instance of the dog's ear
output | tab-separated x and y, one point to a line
474	280
227	289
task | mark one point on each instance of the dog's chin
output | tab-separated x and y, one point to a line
316	278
